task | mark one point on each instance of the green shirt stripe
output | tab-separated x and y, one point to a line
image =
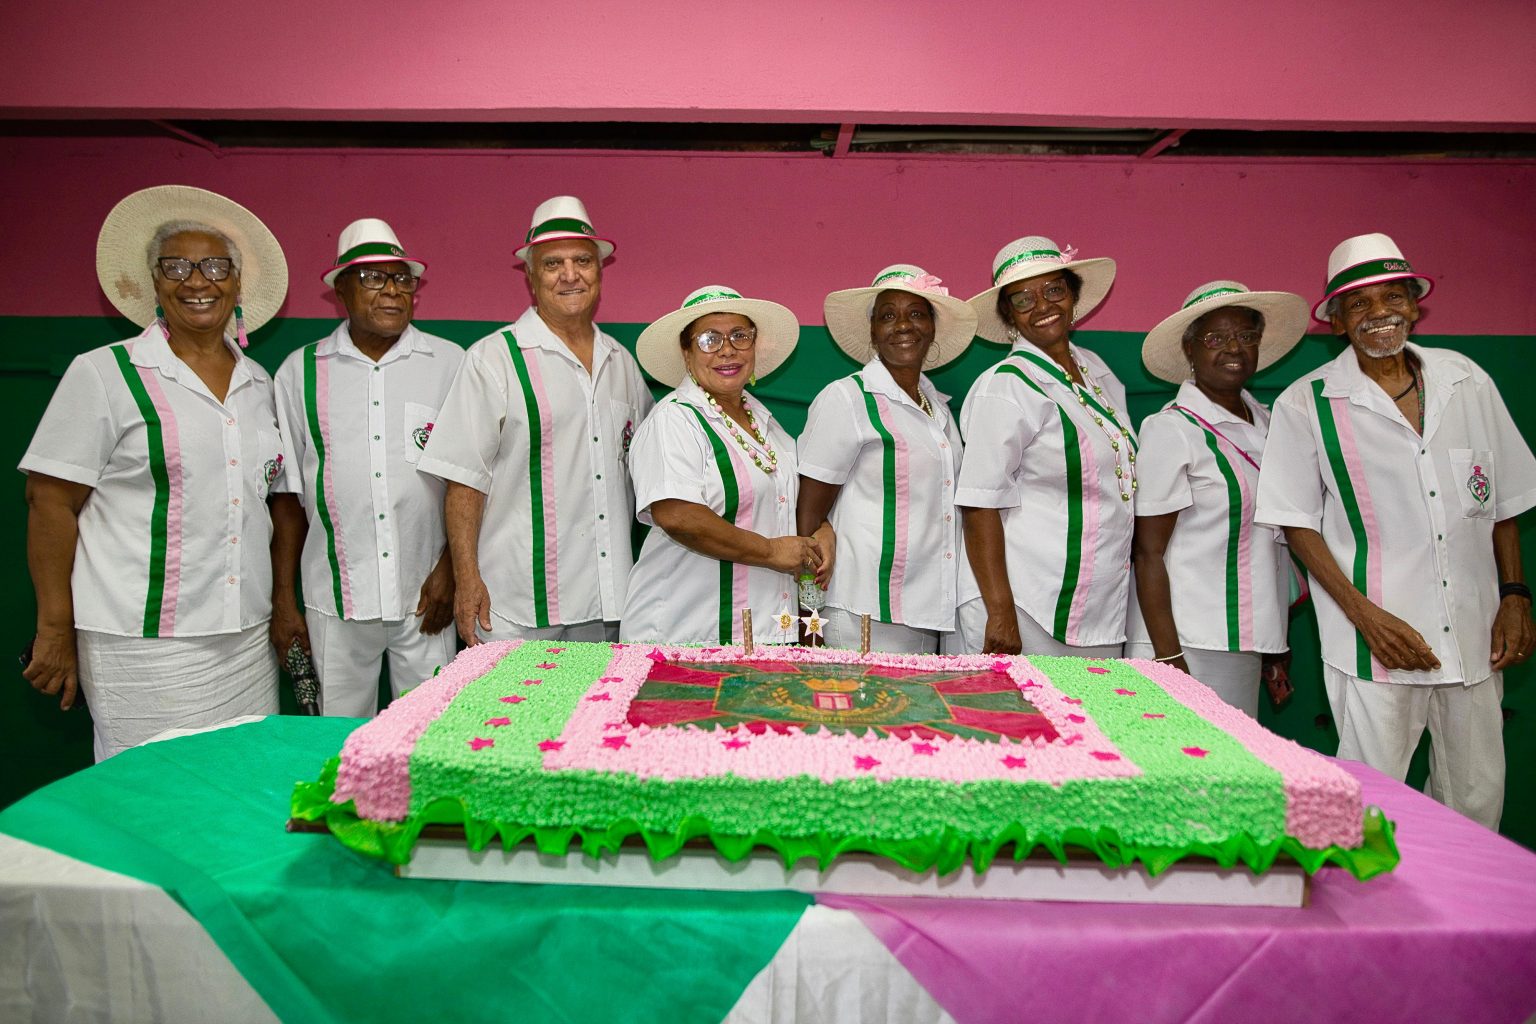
888	502
1074	480
159	516
1234	532
535	482
732	499
322	503
1086	396
1351	503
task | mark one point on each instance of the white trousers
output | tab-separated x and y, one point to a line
843	629
595	631
1234	675
138	687
971	633
347	656
1380	724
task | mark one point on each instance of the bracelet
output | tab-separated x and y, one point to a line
1514	590
1171	657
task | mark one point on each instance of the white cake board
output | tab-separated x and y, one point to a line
1037	878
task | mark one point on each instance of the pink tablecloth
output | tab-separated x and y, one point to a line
1450	935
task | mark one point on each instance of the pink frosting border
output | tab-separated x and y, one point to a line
597	738
375	759
1322	801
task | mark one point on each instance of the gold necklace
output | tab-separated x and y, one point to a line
760	435
924	404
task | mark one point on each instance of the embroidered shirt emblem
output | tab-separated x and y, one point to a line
421	434
629	435
1479	484
272	469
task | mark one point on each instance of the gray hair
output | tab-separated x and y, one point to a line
171	228
1331	310
1192	332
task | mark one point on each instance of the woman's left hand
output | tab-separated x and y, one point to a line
826	544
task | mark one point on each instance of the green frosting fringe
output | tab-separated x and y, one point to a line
944	851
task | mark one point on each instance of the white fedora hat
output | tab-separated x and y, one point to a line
1285	321
122	253
1363	260
848	312
659	351
559	218
369	240
1032	256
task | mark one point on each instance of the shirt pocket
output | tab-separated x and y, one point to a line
622	423
269	456
1473	479
418	429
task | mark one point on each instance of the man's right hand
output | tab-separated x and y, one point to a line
471	607
1395	644
287	625
1002	636
53	665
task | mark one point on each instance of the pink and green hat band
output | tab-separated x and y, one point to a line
372	252
1370	272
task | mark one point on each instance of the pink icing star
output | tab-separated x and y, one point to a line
1196	751
1098	671
866	763
1104	755
1151	715
1000	665
735	743
615	742
551	744
611	679
553	650
924	748
656	655
1013	762
546	665
1126	693
533	682
599	696
1071	700
498	721
513	699
1029	684
1076	718
479	743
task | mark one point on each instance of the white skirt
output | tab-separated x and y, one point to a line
138	687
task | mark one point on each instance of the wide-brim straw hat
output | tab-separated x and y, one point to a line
369	240
1033	256
559	218
1365	260
848	313
122	250
778	332
1285	322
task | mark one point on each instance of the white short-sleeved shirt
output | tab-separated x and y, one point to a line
1229	578
685	451
898	533
175	535
354	430
1408	519
548	445
1067	528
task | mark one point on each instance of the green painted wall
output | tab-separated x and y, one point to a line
38	743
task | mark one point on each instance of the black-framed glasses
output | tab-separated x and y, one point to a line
1024	300
1221	339
179	268
741	338
375	280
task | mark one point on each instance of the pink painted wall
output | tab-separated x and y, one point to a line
795	228
1325	63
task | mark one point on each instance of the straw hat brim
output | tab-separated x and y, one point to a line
1426	285
1098	275
418	267
122	258
778	332
605	246
847	316
1285	323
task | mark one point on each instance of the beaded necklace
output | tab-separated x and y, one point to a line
924	404
1105	421
761	436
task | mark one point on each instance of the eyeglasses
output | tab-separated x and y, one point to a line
375	280
178	268
1023	301
1221	339
713	341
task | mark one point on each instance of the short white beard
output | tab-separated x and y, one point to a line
1383	347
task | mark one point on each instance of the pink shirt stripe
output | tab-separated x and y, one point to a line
903	507
172	441
323	414
551	489
746	499
1350	448
1090	472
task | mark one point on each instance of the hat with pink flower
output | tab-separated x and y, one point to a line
849	312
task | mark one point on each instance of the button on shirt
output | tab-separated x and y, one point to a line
684	450
1408	519
547	443
175	535
1066	527
1229	579
898	534
354	430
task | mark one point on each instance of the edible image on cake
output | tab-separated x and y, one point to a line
886	700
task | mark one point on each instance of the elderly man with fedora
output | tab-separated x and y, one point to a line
361	527
533	443
1397	475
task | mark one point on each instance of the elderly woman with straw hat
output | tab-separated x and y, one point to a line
879	460
1211	585
716	476
1048	483
147	528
